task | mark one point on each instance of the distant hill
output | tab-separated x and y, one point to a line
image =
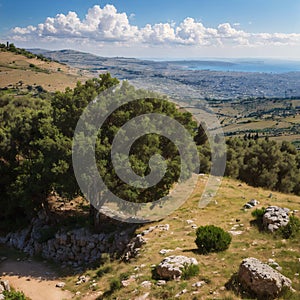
26	69
183	79
121	67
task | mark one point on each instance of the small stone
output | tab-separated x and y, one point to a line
198	284
146	284
165	227
83	278
234	233
127	282
161	282
165	251
181	293
60	285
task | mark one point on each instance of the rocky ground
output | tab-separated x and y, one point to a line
269	257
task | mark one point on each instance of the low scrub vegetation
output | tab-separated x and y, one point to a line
190	271
292	229
13	295
212	239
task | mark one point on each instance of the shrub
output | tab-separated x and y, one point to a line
115	284
258	215
291	230
212	239
189	271
103	270
13	295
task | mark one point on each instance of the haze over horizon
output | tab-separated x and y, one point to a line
143	29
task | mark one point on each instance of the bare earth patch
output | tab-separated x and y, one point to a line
36	280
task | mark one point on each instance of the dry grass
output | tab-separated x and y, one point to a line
52	76
215	268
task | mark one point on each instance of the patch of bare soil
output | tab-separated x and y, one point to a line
35	279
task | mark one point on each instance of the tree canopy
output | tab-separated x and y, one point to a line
36	145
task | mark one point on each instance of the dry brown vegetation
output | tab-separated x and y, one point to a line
18	70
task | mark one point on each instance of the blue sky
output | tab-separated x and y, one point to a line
165	28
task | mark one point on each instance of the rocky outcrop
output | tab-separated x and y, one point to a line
275	217
4	287
73	247
261	279
133	247
172	266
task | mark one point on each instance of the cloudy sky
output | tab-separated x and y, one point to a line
157	29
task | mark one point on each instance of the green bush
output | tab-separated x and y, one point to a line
258	213
103	270
291	230
212	239
115	284
13	295
190	271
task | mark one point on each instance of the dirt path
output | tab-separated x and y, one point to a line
36	280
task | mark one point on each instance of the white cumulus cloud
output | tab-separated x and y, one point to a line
107	26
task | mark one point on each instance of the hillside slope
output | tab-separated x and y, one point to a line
18	70
215	269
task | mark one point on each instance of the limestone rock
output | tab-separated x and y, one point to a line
251	203
60	285
261	279
161	282
198	284
128	281
73	247
181	293
171	267
5	284
133	247
275	217
165	251
146	284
